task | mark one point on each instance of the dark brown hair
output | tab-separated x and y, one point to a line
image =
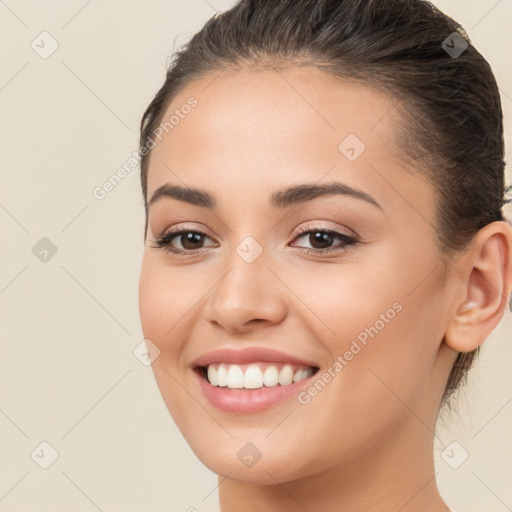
445	91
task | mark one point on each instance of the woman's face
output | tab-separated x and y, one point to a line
366	305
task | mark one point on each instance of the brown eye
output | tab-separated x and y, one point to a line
188	241
321	240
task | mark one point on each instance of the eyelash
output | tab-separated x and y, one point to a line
164	241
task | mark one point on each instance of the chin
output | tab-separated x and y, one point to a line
242	461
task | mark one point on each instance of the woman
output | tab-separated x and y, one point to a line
325	249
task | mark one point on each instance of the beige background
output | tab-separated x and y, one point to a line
68	375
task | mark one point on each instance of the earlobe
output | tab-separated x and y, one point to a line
486	282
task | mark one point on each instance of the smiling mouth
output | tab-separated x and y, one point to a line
254	375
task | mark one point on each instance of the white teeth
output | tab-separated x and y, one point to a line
253	378
234	377
212	376
222	375
286	375
297	376
271	376
302	374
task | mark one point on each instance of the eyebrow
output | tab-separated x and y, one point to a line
290	196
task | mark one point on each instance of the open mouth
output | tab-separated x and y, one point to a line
254	375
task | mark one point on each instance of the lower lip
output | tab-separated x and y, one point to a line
249	400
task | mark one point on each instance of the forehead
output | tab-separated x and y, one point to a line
263	130
275	107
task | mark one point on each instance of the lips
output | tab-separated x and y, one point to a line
250	355
253	394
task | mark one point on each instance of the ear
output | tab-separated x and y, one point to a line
486	284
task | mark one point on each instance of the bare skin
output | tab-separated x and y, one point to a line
365	441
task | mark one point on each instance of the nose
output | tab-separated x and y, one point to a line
249	296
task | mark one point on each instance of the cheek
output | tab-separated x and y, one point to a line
339	301
373	390
154	306
165	299
377	320
162	309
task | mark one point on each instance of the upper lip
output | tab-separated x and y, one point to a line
249	355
